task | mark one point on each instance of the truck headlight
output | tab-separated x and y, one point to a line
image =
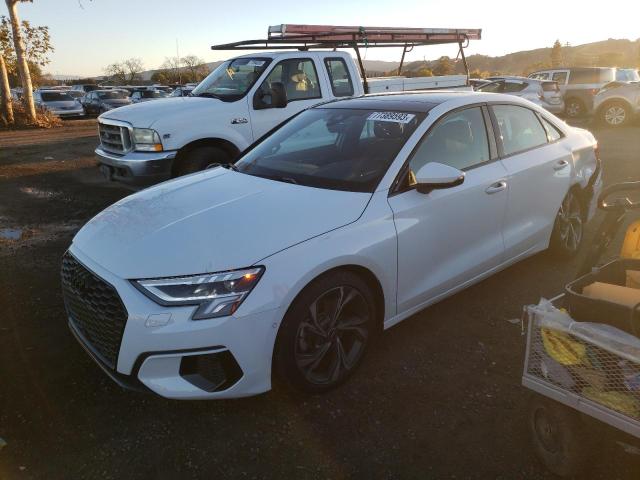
146	140
216	294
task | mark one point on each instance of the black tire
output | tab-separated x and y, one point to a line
568	229
317	356
200	158
559	436
615	114
574	108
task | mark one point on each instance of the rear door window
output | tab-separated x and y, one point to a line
514	86
519	128
560	77
341	83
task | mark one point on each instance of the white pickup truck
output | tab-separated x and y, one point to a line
240	101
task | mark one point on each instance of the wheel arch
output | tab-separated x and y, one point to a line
226	145
613	100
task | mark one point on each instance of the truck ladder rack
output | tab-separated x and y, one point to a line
307	37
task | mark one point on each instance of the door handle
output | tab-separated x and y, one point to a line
560	165
496	187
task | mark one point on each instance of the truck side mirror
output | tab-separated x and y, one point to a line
276	97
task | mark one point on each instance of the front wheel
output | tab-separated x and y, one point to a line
200	158
568	230
326	332
615	114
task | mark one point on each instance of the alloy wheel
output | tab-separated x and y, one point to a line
574	109
615	115
570	223
332	338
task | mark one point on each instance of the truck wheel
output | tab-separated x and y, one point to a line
200	158
615	114
574	108
325	333
559	437
567	234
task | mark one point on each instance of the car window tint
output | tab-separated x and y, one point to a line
339	76
494	87
519	128
512	87
560	77
298	76
553	133
458	140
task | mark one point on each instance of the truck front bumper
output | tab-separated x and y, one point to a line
136	168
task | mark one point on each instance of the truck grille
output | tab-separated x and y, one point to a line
95	309
114	138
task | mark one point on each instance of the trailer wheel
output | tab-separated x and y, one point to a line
200	158
559	437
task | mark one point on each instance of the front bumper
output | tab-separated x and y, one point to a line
136	168
68	113
555	108
161	356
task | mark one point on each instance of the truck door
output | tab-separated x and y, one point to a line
299	78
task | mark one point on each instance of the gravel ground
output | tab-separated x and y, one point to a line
438	397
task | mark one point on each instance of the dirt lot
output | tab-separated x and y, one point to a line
439	397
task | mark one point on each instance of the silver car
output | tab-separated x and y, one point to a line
59	103
617	103
541	92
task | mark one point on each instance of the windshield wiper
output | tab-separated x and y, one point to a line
207	95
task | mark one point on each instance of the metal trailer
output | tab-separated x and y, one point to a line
576	369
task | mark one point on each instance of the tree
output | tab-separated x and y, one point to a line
195	67
21	58
171	69
556	54
444	66
126	71
5	93
133	67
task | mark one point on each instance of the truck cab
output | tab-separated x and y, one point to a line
240	101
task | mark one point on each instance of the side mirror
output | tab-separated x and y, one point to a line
433	176
276	97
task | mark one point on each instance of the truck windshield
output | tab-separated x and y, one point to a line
333	148
232	79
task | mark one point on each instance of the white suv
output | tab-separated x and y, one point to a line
346	220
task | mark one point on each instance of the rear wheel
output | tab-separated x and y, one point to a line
559	437
574	108
568	229
615	114
200	158
326	332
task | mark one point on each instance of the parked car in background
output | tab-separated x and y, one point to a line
181	92
77	94
617	103
163	88
326	232
100	101
59	103
627	75
541	92
578	86
139	96
478	82
85	87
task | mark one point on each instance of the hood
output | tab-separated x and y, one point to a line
145	114
209	222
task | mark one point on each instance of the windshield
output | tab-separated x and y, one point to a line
333	148
627	75
232	79
153	94
56	97
112	95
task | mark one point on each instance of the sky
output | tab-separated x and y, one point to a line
90	34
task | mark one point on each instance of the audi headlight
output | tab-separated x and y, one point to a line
216	294
146	140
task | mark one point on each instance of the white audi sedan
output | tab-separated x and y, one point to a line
345	220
